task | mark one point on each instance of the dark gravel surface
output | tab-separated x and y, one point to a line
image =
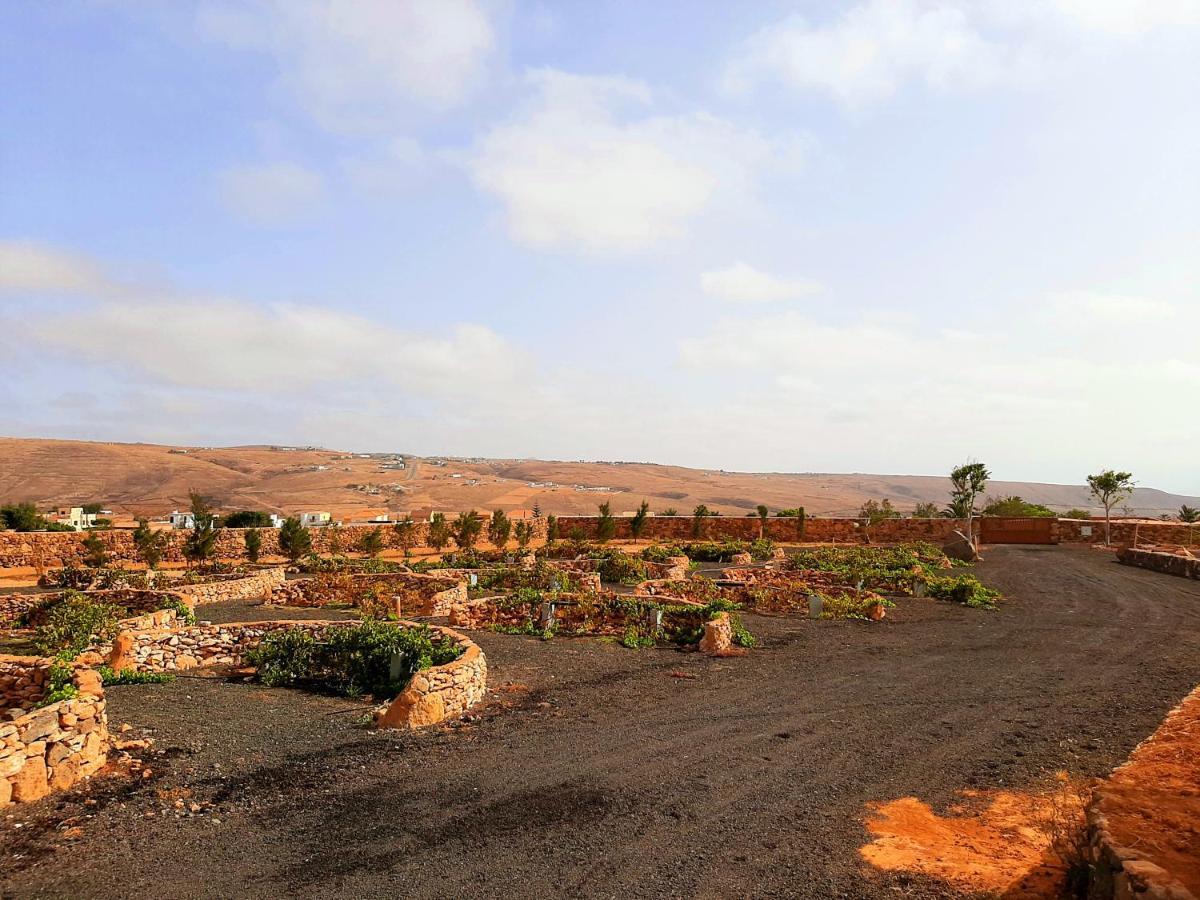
596	771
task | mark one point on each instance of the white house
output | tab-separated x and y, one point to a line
181	519
277	520
76	518
315	519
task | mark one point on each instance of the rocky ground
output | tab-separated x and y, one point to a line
595	770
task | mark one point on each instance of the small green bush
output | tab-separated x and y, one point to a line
965	589
61	685
352	659
132	676
74	624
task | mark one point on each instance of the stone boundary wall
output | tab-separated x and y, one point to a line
1168	563
1124	534
52	747
433	695
403	593
256	586
54	549
781	530
1138	819
15	606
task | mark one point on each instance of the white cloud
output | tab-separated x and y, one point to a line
395	168
271	194
1080	305
742	283
1121	17
867	53
354	64
584	166
282	349
27	266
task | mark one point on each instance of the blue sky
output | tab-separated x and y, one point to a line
875	235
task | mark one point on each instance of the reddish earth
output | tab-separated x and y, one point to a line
148	479
594	770
1152	803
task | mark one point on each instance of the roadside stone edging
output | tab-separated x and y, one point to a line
1167	563
434	695
1123	872
49	748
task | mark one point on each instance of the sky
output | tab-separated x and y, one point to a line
865	236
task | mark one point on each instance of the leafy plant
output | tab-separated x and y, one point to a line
524	533
741	634
965	589
151	545
368	657
60	685
967	483
1016	507
95	551
669	512
637	524
466	529
406	535
699	514
1189	514
247	518
294	539
252	538
499	529
371	542
74	624
926	511
202	537
1110	488
606	525
133	676
551	527
439	531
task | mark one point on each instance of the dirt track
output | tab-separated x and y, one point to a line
596	772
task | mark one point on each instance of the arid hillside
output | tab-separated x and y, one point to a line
150	479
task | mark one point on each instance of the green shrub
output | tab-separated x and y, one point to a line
61	685
741	635
635	640
622	568
660	553
74	624
352	659
965	589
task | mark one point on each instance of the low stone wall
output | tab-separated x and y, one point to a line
34	607
392	593
433	695
781	530
1168	563
48	748
256	586
1142	820
51	549
440	692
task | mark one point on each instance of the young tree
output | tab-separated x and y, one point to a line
551	528
537	510
95	554
763	514
252	538
606	526
406	535
151	545
499	529
371	542
699	514
669	511
467	528
294	539
925	511
202	539
524	533
1110	488
637	524
23	517
967	483
872	513
1189	514
439	531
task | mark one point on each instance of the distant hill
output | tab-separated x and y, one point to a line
148	479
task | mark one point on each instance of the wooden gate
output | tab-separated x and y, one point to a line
995	530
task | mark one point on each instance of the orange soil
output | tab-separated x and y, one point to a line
998	848
1152	803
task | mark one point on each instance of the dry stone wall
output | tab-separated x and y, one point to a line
433	695
1127	534
399	593
48	748
781	530
34	607
256	586
1168	563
